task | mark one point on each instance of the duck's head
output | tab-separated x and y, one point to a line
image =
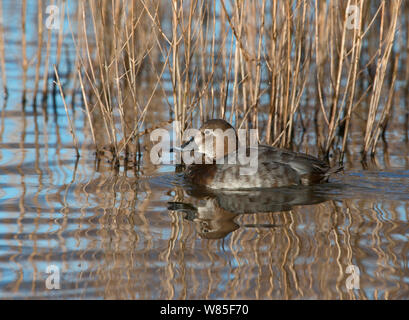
216	138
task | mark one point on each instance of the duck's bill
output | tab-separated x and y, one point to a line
184	146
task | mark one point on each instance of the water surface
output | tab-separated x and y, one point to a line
146	234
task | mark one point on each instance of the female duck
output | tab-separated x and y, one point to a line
223	167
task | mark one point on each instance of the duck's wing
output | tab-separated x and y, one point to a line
301	162
309	168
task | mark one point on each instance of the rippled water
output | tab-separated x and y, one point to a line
118	236
121	235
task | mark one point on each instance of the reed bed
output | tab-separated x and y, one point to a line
289	69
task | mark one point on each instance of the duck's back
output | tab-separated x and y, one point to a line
275	168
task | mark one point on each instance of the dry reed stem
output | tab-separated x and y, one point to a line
72	130
333	120
60	38
84	96
46	62
356	52
24	60
2	53
39	47
381	124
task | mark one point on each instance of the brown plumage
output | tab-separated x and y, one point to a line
275	167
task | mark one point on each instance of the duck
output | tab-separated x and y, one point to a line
222	166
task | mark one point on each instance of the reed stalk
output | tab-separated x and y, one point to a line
24	60
2	54
39	48
46	63
71	125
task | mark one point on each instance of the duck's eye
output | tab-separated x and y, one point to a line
208	132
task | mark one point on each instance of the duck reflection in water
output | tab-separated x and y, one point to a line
214	212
